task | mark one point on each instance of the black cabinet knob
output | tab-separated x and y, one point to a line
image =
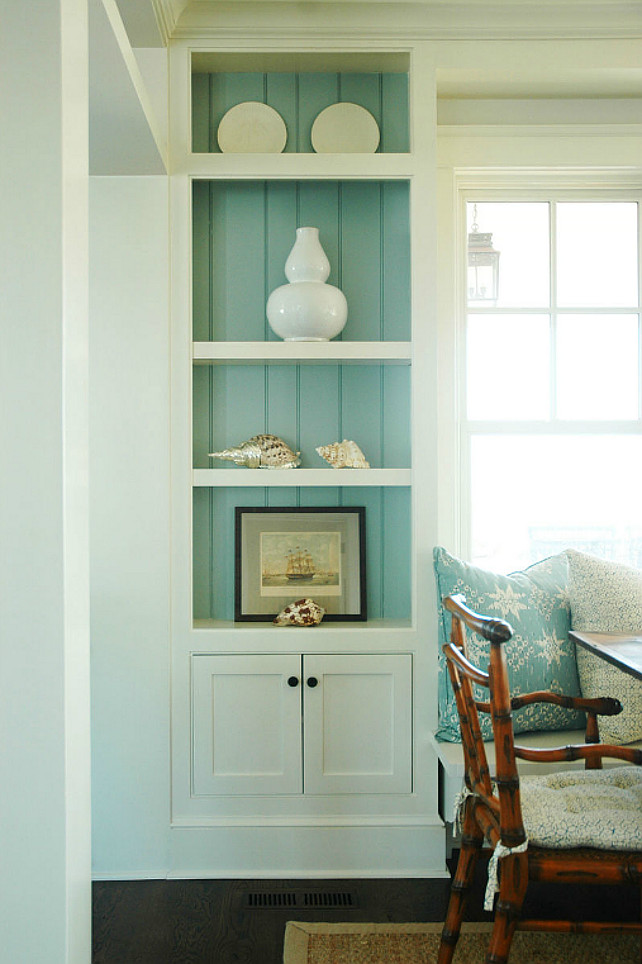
293	681
313	681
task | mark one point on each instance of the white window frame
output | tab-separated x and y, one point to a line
456	430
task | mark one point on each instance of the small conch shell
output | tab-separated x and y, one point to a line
261	452
303	612
344	455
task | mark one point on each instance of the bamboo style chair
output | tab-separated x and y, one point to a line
491	809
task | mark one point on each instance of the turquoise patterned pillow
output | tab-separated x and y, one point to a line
540	655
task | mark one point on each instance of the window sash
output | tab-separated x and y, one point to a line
554	425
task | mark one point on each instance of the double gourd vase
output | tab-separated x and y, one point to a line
307	309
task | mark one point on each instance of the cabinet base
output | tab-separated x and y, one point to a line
415	850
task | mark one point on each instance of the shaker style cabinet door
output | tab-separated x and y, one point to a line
358	718
246	724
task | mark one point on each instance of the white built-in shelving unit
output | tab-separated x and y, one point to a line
236	709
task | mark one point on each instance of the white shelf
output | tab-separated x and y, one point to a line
382	625
312	353
300	477
296	167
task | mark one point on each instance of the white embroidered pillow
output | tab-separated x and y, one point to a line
606	597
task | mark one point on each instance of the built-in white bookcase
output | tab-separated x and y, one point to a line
276	701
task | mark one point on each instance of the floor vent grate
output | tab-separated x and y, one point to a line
322	899
272	899
278	899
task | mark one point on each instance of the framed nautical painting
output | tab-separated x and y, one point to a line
285	554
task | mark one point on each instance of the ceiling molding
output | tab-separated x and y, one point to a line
330	19
167	13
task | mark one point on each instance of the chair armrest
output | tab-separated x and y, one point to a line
602	706
579	751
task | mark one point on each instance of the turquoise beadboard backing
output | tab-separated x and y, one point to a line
387	542
299	98
306	406
242	235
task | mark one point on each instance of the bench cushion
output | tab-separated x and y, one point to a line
584	808
540	655
606	597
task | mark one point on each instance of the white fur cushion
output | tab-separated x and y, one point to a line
606	597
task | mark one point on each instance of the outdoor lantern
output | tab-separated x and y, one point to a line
483	265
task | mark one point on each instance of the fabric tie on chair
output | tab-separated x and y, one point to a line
492	885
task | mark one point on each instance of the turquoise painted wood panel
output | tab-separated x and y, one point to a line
307	406
240	394
395	260
361	410
202	582
282	401
319	411
201	274
282	93
316	92
395	416
299	98
321	495
395	137
205	427
280	232
361	274
319	206
396	553
388	537
244	261
243	233
201	113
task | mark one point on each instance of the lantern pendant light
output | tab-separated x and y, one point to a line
483	265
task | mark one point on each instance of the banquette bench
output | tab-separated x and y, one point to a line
542	603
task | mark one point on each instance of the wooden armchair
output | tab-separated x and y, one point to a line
532	836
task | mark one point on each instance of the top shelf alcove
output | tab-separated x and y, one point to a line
299	86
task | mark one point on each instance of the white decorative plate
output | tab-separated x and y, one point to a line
252	128
345	129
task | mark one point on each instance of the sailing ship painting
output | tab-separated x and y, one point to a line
300	566
310	560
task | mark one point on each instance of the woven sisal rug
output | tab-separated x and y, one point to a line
418	944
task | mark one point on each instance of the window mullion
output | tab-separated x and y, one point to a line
639	312
553	307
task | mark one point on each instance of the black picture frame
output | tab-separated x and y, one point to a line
282	554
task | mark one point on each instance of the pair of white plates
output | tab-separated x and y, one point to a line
253	127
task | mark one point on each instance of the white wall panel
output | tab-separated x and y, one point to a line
129	422
44	640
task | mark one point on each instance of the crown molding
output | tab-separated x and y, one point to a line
167	13
469	20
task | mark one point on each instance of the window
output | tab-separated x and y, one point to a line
552	391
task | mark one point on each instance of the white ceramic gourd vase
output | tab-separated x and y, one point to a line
307	309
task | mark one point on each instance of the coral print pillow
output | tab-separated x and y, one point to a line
606	597
540	655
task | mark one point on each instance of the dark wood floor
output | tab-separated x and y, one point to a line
243	921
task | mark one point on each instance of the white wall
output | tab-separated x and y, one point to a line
129	514
44	641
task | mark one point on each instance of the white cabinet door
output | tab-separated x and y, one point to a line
358	719
246	730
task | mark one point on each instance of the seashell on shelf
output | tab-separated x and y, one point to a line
261	452
303	612
343	455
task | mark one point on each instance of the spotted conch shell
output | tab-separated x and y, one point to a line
344	455
261	452
303	612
